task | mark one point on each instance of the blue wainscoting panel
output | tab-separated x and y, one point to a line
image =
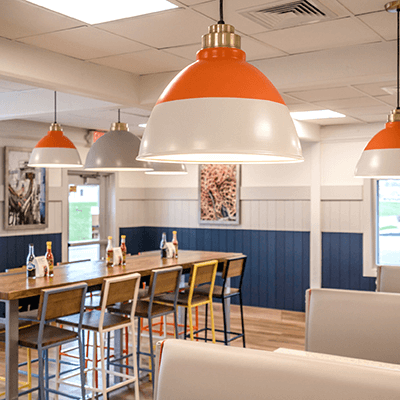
342	262
15	250
277	271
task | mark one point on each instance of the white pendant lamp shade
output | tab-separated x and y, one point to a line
116	151
167	169
220	109
381	157
55	150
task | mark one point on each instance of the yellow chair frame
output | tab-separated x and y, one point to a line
198	277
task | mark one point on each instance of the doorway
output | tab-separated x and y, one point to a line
86	224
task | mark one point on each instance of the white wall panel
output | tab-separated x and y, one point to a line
342	216
255	214
271	223
280	215
289	215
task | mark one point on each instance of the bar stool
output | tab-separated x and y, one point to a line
119	289
162	281
234	267
201	274
55	303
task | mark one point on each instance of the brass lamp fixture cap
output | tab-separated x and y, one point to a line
220	35
55	127
393	6
119	126
394	115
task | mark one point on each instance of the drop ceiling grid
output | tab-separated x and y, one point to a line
144	62
21	19
84	43
320	36
159	30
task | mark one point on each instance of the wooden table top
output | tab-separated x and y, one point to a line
18	286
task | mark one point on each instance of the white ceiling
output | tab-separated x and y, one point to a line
346	63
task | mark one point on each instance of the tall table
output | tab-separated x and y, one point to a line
14	287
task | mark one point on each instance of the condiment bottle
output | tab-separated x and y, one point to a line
109	252
175	243
30	265
163	245
50	259
123	249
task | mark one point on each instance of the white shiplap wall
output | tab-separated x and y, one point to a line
341	209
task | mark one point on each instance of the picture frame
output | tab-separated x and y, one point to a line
219	197
25	191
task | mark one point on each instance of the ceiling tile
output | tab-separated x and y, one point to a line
349	103
364	6
144	62
326	94
335	121
320	36
84	43
383	23
375	88
164	29
303	107
256	50
382	118
390	99
289	100
19	19
363	111
188	52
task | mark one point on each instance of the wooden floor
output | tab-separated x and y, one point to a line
266	329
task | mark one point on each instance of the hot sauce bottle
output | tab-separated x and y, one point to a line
123	249
50	259
109	252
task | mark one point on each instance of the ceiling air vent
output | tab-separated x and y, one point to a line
284	14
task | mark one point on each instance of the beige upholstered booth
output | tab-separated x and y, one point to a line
354	324
388	279
198	371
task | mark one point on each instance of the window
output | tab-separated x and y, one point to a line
387	235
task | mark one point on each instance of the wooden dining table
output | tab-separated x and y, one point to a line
14	287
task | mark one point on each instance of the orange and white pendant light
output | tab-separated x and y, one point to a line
220	109
381	157
55	150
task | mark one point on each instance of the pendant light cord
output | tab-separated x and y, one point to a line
398	56
55	107
221	12
119	116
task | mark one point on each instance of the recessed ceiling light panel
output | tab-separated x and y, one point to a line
98	11
319	114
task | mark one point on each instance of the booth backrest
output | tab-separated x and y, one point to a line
198	371
388	279
353	324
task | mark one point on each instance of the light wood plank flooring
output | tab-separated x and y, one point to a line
266	329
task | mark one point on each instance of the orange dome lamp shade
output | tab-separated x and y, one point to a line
55	150
220	109
380	159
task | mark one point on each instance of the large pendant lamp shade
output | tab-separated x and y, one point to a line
167	169
55	150
381	157
116	151
220	109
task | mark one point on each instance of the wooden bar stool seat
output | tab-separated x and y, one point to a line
55	303
161	281
118	289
